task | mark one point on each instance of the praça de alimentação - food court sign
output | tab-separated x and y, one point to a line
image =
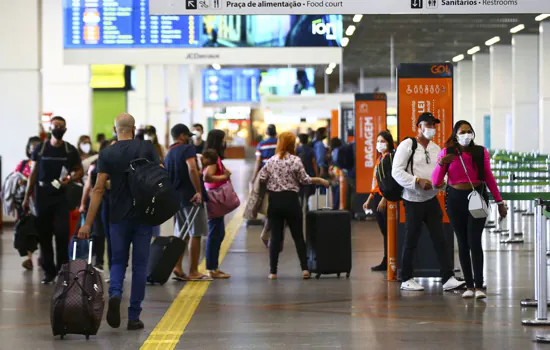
272	7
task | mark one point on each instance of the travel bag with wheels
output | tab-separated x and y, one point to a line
328	240
77	301
165	251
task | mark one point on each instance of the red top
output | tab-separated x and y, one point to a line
219	171
26	170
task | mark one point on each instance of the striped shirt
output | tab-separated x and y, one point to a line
266	149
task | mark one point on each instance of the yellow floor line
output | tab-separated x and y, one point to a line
169	330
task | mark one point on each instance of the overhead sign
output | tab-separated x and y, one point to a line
261	7
231	85
425	87
370	120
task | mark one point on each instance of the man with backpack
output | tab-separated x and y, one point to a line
57	164
413	165
126	226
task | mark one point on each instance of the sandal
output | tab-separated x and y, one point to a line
217	274
27	265
201	278
306	275
272	277
179	276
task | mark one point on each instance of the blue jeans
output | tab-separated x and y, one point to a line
139	236
216	234
105	207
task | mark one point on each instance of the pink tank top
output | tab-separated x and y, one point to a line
219	171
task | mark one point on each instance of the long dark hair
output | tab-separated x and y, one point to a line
214	141
477	152
389	139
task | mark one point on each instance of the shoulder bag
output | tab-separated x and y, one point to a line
476	203
222	200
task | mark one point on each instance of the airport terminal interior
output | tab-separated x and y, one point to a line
346	93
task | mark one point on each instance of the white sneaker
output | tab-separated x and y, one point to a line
480	295
411	285
453	283
469	294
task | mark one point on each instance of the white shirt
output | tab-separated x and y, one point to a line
421	169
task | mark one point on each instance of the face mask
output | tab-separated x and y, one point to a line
196	137
429	133
465	139
85	147
381	147
147	138
58	133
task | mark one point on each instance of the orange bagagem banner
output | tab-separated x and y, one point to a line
370	119
425	88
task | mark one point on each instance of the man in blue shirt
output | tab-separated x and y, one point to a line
266	149
181	163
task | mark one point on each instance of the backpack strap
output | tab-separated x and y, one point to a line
411	158
42	148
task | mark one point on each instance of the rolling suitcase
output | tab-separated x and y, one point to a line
165	251
328	240
77	300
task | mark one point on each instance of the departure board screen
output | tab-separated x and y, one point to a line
231	85
128	24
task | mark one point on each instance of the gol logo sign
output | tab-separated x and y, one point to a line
440	69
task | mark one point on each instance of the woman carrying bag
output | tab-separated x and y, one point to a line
468	171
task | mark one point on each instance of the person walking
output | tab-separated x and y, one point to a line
385	147
468	168
283	174
57	165
125	229
413	166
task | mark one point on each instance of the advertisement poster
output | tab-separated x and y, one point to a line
370	120
425	88
487	130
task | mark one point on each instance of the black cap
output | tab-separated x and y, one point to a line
271	130
179	129
427	117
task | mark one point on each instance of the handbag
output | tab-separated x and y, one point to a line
222	200
476	204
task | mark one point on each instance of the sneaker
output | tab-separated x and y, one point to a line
411	285
453	283
480	295
113	313
469	294
47	280
99	267
379	268
134	325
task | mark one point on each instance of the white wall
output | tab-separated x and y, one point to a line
464	87
501	94
369	84
481	94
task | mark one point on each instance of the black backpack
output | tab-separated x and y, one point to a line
390	189
155	199
346	157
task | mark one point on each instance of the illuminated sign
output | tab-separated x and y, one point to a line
108	76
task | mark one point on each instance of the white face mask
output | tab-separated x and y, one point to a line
429	133
381	147
196	137
147	138
85	147
465	139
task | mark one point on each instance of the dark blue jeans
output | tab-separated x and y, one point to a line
106	227
216	234
139	236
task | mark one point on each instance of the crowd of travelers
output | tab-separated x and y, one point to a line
290	167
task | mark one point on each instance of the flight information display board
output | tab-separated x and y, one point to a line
128	24
231	85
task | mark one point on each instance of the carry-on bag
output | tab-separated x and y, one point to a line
165	251
77	300
328	240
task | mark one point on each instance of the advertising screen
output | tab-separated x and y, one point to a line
287	82
128	24
108	76
230	85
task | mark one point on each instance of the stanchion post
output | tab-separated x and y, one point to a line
511	216
392	241
541	318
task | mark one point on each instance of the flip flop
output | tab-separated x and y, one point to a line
203	278
179	276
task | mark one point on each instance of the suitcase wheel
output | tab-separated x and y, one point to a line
62	336
87	337
317	276
347	275
338	275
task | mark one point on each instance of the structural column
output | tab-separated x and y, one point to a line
464	103
66	89
481	96
544	73
20	90
501	96
178	94
525	93
156	100
137	98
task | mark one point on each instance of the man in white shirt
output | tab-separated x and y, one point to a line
413	165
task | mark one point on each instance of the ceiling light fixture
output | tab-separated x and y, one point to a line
517	29
216	66
345	41
328	71
542	17
357	18
332	65
458	58
350	30
474	50
492	41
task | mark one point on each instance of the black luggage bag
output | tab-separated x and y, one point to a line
165	251
328	240
77	301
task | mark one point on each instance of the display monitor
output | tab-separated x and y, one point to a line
230	85
128	24
110	76
287	82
